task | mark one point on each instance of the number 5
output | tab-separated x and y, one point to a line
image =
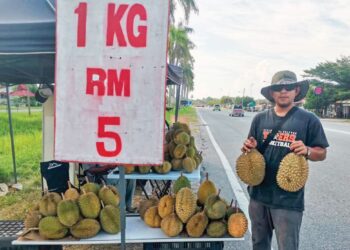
102	133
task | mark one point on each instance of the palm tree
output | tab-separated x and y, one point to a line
187	5
180	47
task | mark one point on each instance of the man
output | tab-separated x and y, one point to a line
272	208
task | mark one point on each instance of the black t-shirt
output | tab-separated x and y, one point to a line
302	125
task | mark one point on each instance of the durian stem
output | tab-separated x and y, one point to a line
62	194
103	183
236	207
207	176
103	205
231	203
69	184
219	192
87	179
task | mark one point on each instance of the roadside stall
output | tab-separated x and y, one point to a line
122	120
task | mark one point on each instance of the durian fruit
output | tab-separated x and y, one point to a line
164	168
206	189
145	204
185	204
129	169
68	212
237	225
86	228
90	187
152	217
179	151
172	146
71	193
182	127
110	219
169	136
198	158
176	164
51	228
188	165
32	219
89	205
48	204
181	182
166	205
215	207
232	209
250	167
292	173
216	229
144	169
197	224
109	195
191	152
171	225
182	138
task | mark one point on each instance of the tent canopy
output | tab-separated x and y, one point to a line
27	43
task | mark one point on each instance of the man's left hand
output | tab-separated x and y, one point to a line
298	147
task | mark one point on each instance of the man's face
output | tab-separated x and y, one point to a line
284	95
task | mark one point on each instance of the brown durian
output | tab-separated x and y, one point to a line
237	225
48	204
185	204
292	173
163	169
206	189
32	219
176	164
152	217
145	204
71	193
188	165
250	167
166	206
171	225
182	138
197	224
180	151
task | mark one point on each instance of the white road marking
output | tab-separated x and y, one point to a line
236	187
337	131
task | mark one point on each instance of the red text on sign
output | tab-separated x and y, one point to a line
114	27
103	133
98	81
81	27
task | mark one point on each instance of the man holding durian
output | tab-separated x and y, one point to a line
286	136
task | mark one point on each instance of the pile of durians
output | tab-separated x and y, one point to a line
81	215
180	153
195	215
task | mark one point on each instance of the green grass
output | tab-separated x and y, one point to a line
186	114
28	146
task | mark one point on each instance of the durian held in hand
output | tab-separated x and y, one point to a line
292	172
250	167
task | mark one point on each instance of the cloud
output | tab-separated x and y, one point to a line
240	44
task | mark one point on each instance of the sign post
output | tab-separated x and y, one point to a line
110	81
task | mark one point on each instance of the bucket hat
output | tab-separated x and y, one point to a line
286	77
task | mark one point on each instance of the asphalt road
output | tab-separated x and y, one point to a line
326	221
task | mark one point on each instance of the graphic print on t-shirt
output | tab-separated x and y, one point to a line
281	139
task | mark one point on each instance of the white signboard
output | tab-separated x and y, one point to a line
110	80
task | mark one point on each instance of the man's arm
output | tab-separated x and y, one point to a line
317	154
311	153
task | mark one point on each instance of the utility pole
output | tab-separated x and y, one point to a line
243	98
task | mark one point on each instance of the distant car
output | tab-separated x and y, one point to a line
237	110
217	107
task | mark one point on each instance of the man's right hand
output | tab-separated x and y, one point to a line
249	144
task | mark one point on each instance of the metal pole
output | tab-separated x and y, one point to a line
122	205
177	102
11	133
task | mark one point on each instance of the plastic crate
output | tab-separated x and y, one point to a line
8	231
216	245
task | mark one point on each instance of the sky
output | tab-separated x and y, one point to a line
240	44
